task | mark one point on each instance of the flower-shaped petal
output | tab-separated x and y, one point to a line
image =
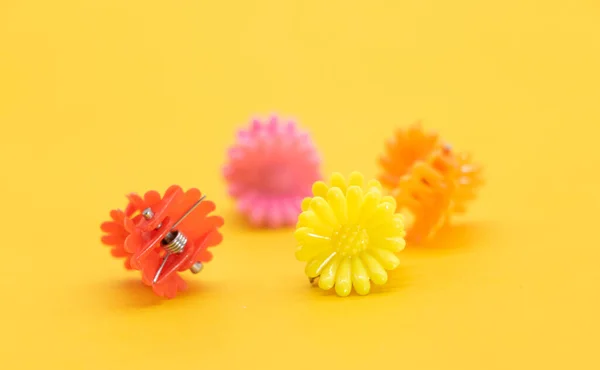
468	180
139	237
435	189
348	233
115	235
270	169
428	180
199	227
123	222
402	151
169	285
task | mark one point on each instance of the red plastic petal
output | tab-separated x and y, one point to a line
136	201
151	197
112	227
140	240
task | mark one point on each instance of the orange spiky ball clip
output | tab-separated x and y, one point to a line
163	236
429	180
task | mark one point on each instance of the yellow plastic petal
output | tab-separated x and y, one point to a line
368	228
337	180
343	281
356	179
315	266
354	198
393	244
322	209
369	206
389	199
394	228
305	204
360	277
327	278
374	268
301	232
309	243
319	189
385	257
306	252
337	202
382	215
374	185
311	220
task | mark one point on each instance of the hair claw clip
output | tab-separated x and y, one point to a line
348	234
429	181
270	169
162	236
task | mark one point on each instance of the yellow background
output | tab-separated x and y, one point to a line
100	98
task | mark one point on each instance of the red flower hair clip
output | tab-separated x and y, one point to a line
163	236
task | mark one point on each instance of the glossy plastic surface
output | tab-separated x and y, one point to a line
270	169
348	234
426	194
429	181
139	239
115	230
407	147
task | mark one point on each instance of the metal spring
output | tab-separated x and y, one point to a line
174	242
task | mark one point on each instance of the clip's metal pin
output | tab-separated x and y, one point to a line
187	213
162	265
164	236
174	242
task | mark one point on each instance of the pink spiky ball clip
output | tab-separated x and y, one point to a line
270	170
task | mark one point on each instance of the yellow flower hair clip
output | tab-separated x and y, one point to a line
348	234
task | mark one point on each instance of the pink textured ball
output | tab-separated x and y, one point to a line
270	169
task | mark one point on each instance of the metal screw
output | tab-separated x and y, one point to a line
196	267
174	241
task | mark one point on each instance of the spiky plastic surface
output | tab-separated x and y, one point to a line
270	169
